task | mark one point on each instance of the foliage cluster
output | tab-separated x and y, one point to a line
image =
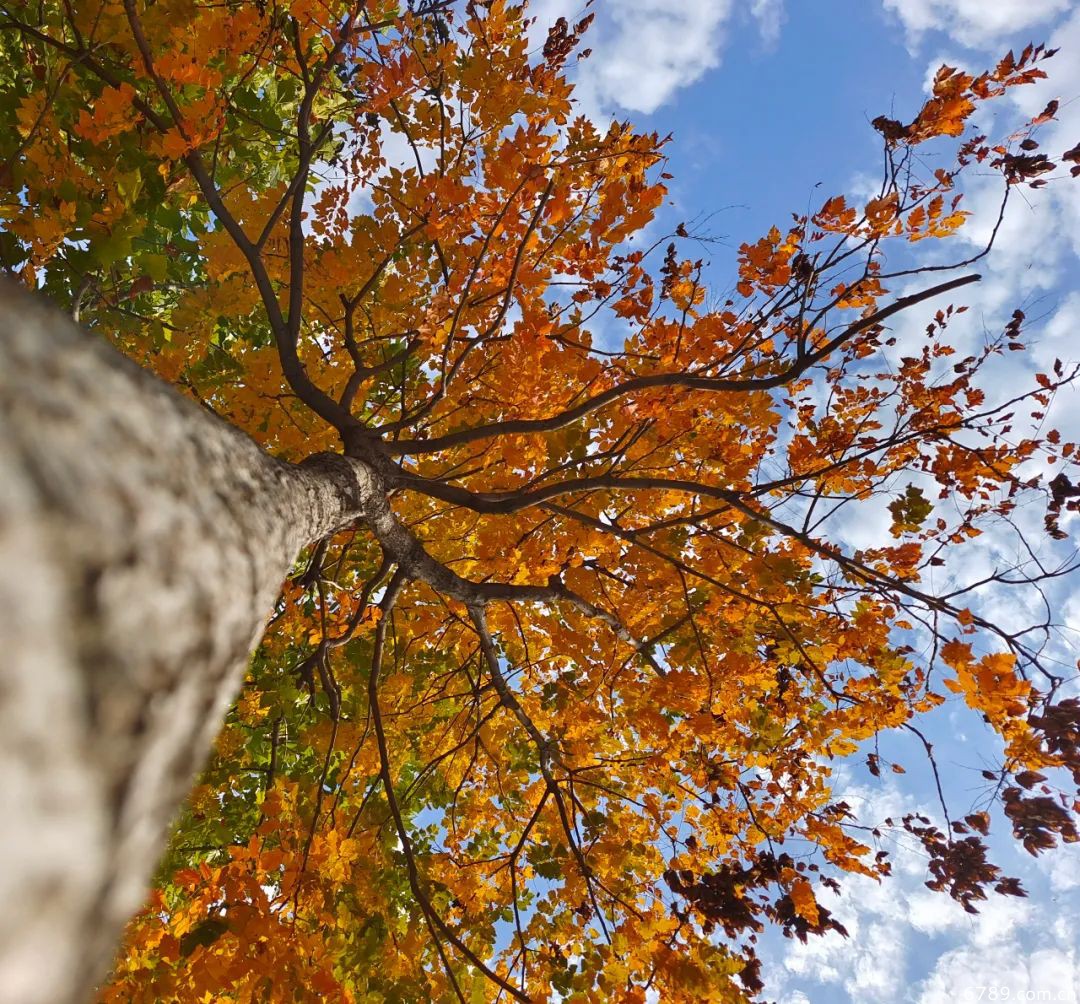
578	736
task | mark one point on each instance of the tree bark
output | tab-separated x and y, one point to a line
142	545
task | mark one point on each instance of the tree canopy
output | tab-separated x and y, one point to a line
563	716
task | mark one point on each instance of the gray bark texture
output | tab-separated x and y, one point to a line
142	545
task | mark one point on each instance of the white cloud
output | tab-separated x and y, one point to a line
769	15
1027	949
657	48
1006	973
1062	868
646	50
796	997
870	964
975	23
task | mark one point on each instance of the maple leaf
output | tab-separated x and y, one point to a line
802	895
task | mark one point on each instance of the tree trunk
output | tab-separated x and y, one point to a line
142	545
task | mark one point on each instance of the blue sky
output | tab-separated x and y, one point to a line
770	103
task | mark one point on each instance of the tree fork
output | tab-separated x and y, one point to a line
143	543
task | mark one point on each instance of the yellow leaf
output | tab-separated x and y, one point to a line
802	897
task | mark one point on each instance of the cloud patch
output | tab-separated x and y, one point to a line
769	15
1013	949
974	23
647	50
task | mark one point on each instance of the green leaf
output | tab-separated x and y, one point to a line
910	511
155	266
